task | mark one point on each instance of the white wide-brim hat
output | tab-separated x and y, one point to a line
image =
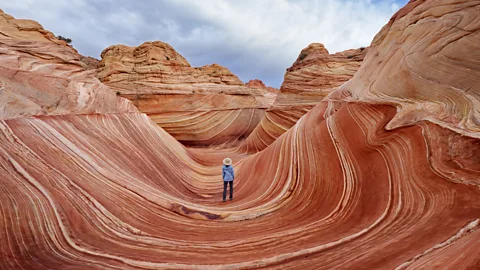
227	161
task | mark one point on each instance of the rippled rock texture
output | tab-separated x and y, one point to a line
427	66
198	106
311	78
41	75
341	189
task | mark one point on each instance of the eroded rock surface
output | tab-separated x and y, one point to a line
42	75
311	78
106	188
202	106
427	67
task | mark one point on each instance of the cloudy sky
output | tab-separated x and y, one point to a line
253	38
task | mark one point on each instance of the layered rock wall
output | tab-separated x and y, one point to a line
427	67
311	78
42	75
205	106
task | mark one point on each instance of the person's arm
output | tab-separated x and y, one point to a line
233	173
223	173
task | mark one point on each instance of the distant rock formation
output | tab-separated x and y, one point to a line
256	83
156	64
92	63
269	92
316	73
192	104
311	78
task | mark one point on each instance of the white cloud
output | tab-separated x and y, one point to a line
254	39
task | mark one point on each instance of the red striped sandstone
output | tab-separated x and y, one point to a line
42	75
198	106
313	76
427	65
336	191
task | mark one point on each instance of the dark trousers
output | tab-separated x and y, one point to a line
225	183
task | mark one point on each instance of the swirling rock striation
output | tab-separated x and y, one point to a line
312	77
427	66
42	75
339	190
201	106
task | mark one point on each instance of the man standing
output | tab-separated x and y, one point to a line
228	176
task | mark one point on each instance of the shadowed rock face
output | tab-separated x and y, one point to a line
109	189
201	106
311	78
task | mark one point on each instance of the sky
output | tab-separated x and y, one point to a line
255	39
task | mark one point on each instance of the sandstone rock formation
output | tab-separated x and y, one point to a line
316	73
92	63
342	189
198	106
312	77
269	92
256	83
42	75
156	65
427	74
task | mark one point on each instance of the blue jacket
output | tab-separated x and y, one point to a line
228	173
